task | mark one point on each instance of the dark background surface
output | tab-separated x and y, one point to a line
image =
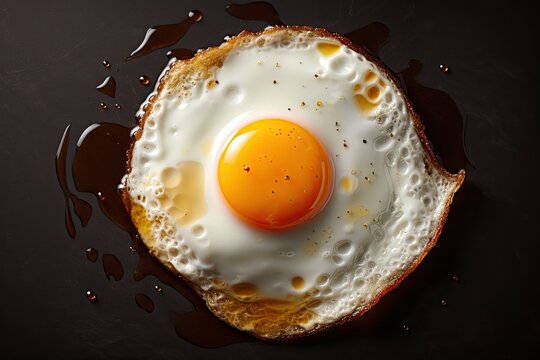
50	64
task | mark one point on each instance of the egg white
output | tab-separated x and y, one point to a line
369	232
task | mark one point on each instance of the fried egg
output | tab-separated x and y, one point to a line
285	176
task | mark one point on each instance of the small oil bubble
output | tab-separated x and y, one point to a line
101	196
144	302
118	106
92	254
106	64
443	302
196	15
444	68
405	328
144	80
132	248
103	106
91	296
455	278
158	289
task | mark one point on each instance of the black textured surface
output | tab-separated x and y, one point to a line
50	64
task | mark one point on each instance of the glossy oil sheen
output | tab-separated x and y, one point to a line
82	208
161	36
107	87
256	11
144	302
92	254
112	267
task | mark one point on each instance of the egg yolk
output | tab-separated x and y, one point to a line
274	174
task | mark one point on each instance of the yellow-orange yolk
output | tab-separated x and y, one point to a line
275	174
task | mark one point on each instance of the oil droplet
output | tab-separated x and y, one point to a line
144	80
144	302
455	278
444	68
82	209
443	302
181	53
158	289
101	196
112	267
405	328
118	106
196	15
161	36
372	36
107	87
91	296
106	64
103	106
255	11
101	150
92	254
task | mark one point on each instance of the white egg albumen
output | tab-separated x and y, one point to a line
368	234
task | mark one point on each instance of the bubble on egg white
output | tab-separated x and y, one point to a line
338	260
234	94
340	280
153	204
403	166
343	248
151	135
173	251
322	280
341	65
149	148
158	191
383	143
391	158
198	231
150	123
171	177
157	109
352	77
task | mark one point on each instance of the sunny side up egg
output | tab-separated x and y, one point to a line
284	175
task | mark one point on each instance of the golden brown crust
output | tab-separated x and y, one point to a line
203	63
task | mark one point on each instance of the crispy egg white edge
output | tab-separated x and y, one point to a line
397	159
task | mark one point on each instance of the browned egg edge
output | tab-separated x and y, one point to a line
212	57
